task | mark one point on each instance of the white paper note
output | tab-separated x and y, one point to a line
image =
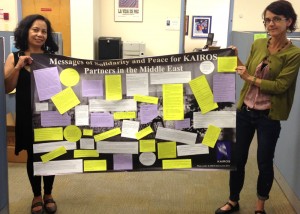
87	143
58	167
82	115
197	149
176	135
137	84
115	147
222	119
130	128
98	105
48	147
170	77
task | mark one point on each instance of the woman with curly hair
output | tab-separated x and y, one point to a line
32	35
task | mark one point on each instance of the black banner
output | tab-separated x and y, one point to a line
174	112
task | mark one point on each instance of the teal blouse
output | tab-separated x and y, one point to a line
284	68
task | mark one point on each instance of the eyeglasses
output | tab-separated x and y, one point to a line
275	20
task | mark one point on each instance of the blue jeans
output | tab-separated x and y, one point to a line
249	121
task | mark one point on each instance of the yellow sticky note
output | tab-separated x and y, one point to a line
124	115
211	136
88	132
144	132
203	94
113	87
259	35
94	165
166	150
65	100
84	153
145	99
72	133
177	164
48	134
227	63
108	134
53	154
173	106
147	145
69	77
208	108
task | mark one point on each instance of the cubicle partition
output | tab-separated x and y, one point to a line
243	41
287	167
3	154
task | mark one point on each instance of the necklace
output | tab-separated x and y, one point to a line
279	49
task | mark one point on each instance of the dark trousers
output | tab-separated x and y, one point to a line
35	181
249	121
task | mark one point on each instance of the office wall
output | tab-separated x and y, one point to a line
96	26
82	28
247	14
152	31
9	6
100	15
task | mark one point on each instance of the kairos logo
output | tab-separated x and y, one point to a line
207	67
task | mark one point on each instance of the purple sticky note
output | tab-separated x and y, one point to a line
148	113
54	118
182	124
102	120
47	82
92	88
122	161
224	87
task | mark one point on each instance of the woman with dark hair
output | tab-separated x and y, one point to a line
32	35
270	76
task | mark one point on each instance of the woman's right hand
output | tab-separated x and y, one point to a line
11	71
23	61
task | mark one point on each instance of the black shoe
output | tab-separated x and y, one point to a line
232	209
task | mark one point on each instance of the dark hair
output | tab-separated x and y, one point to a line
21	34
285	8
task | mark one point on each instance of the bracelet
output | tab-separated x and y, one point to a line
254	80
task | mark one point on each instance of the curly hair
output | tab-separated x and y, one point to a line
21	34
285	8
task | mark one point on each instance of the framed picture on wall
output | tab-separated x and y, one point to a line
128	10
186	25
201	26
